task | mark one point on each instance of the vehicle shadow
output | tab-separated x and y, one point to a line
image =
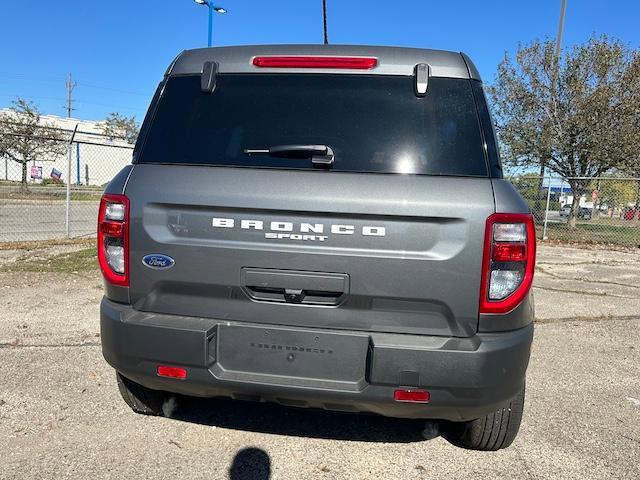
301	422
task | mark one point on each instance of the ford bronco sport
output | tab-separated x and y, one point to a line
321	226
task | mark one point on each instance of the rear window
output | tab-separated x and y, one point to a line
372	123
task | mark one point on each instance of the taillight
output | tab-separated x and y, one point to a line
113	239
300	61
508	261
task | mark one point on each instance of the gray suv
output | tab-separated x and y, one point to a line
325	227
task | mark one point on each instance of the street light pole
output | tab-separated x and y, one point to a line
210	35
211	8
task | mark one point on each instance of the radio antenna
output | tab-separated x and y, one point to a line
324	21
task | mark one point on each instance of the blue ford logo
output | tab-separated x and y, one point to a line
158	261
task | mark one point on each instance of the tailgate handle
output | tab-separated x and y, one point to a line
288	286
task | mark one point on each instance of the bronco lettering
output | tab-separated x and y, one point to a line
307	231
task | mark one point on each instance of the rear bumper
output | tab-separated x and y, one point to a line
466	377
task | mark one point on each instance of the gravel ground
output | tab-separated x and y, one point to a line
61	415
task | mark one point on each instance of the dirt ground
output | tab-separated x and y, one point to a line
61	415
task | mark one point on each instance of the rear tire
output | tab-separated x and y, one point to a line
493	432
141	399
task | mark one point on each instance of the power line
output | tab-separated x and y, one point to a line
128	92
117	107
71	85
30	97
37	78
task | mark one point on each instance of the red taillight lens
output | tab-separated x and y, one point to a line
113	239
509	252
112	229
508	261
348	63
411	395
172	372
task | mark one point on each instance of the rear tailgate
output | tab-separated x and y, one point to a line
369	252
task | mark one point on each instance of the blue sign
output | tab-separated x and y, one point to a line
560	189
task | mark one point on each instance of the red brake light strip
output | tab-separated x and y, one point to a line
347	63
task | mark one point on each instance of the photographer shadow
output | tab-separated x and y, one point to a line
250	464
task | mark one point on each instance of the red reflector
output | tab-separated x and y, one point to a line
408	395
172	372
112	229
509	252
354	63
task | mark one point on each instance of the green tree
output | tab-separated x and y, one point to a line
25	137
528	185
631	163
118	126
575	114
615	193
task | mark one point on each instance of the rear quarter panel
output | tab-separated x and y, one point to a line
508	200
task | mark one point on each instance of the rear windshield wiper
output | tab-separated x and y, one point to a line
320	155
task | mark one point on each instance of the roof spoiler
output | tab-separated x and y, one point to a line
173	64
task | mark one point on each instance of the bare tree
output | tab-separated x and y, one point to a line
25	137
576	116
118	126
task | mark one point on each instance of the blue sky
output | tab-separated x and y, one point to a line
118	50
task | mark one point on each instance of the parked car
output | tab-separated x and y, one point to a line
321	226
584	212
631	213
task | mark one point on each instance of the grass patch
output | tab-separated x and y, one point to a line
59	196
80	261
594	233
38	244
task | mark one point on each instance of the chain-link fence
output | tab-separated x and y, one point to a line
34	206
602	211
56	198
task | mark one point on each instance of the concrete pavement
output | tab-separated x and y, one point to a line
61	415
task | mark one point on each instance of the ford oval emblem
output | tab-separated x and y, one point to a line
158	261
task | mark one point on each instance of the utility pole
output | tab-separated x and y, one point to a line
70	86
67	217
324	21
563	10
554	80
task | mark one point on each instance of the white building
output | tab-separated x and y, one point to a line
95	159
585	202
